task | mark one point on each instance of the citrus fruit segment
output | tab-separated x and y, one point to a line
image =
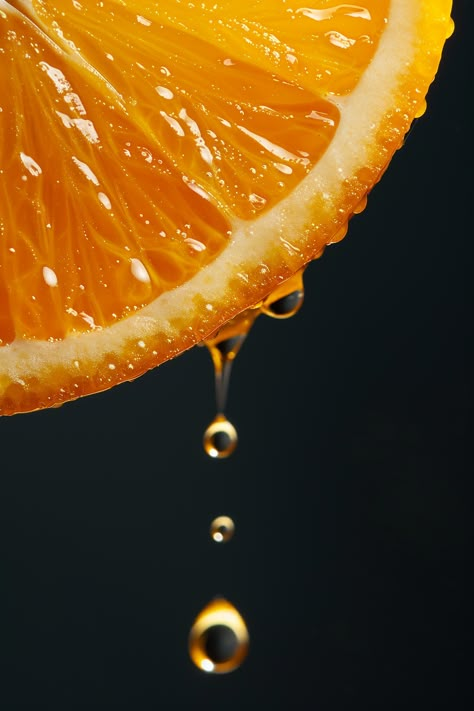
164	167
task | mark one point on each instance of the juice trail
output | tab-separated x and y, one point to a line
220	438
219	639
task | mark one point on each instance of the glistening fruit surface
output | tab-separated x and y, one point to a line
165	166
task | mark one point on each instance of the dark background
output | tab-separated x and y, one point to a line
349	488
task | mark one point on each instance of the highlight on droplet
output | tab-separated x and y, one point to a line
30	164
49	275
139	270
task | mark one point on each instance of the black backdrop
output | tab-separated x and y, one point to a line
349	487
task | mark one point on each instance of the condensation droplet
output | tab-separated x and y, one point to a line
164	92
144	21
31	165
49	275
139	271
105	200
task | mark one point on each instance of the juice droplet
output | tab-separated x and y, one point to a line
286	300
360	207
340	234
222	529
220	438
219	639
450	28
421	109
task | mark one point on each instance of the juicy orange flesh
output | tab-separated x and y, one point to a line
131	137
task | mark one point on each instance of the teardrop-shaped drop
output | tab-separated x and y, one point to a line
286	306
219	639
220	438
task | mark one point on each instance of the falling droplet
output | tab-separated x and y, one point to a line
286	300
222	529
220	438
219	639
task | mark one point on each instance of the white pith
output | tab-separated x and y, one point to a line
148	336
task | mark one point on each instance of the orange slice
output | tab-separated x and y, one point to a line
164	166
